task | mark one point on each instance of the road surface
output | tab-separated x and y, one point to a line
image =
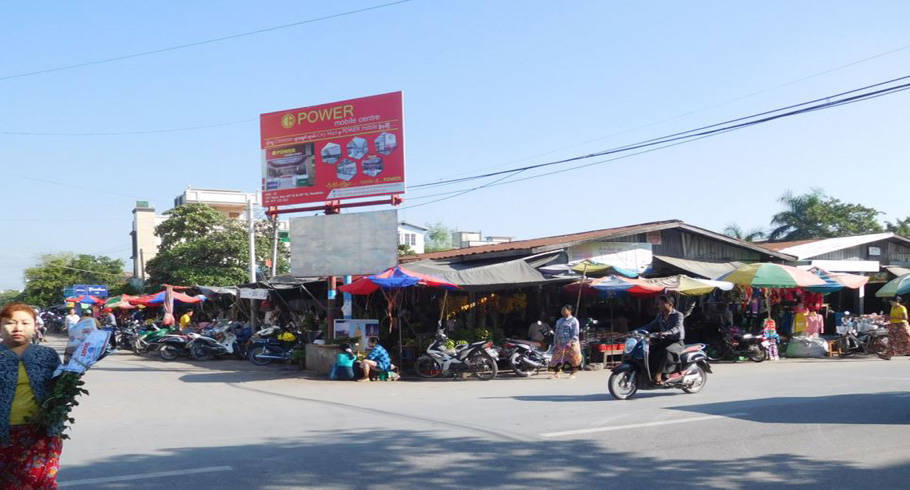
228	424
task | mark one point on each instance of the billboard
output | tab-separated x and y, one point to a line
347	149
344	244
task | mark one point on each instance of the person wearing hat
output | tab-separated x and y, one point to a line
344	364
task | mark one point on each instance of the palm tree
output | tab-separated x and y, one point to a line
900	226
734	230
795	221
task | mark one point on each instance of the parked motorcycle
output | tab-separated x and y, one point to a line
735	344
690	371
273	343
874	341
147	338
217	342
478	358
171	347
527	356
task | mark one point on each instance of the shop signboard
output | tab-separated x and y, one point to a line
625	255
97	290
250	293
341	150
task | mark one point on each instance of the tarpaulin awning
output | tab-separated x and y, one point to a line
513	273
85	300
690	286
213	290
614	285
708	270
835	281
158	298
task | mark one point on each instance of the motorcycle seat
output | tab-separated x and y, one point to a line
692	348
526	342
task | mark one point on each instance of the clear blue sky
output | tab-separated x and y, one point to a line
487	84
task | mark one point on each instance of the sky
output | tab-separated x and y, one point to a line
487	85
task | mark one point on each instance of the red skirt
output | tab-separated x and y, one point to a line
31	460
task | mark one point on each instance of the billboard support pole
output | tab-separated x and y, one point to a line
274	245
331	207
251	229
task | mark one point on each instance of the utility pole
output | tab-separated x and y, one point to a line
252	231
274	245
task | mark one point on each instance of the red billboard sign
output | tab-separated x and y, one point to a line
342	150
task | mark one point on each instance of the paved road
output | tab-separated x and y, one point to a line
228	424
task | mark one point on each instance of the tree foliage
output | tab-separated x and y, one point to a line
899	226
44	282
201	246
9	295
439	238
817	215
405	249
735	231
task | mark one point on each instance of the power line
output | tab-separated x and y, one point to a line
682	138
199	43
127	133
685	134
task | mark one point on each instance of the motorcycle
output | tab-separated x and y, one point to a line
852	341
478	358
736	344
147	340
525	356
171	347
273	343
690	371
218	341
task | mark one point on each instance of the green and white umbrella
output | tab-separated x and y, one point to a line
895	287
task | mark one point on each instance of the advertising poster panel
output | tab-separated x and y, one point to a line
348	149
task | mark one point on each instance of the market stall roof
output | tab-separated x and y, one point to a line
614	285
513	273
835	281
213	290
897	270
158	298
392	279
708	270
690	286
767	275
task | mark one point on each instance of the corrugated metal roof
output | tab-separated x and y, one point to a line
828	245
778	246
537	245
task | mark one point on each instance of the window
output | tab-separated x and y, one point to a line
413	239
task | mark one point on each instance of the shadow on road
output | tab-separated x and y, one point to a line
890	408
419	459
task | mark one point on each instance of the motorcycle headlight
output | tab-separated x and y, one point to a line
630	344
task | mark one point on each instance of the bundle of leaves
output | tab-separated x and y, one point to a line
54	413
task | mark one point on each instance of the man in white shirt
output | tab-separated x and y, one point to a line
71	319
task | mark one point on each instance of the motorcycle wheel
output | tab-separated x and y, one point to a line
483	367
138	347
168	353
699	383
519	369
879	347
844	346
427	367
756	353
254	354
198	353
623	385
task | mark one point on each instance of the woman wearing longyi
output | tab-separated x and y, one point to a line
29	454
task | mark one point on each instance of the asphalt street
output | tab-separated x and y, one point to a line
228	424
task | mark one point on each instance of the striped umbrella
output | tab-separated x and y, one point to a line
766	275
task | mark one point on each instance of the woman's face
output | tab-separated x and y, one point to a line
17	330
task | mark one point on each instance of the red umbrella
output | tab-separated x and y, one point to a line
85	299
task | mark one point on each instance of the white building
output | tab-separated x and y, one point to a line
464	239
232	204
413	236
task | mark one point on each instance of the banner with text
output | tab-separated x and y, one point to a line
348	149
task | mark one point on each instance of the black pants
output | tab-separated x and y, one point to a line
661	356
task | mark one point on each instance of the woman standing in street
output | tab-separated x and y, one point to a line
898	330
567	350
29	455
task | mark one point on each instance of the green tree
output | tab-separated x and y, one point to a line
44	282
439	238
735	231
405	249
201	246
817	215
899	226
9	295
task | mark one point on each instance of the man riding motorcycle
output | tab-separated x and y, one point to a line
669	325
